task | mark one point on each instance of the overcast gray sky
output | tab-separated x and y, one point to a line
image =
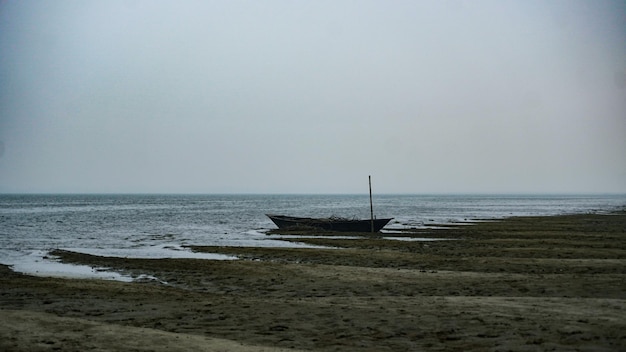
313	96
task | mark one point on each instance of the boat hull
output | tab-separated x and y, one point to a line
328	224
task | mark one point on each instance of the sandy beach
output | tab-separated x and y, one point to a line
520	284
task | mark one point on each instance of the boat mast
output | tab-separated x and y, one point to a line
371	205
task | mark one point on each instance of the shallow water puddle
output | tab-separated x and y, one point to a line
41	263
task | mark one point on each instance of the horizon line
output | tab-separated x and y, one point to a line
325	193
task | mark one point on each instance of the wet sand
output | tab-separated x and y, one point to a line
522	284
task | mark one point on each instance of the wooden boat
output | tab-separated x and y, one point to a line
328	224
332	223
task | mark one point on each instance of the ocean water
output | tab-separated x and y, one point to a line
155	226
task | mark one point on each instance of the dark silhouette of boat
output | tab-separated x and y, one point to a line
333	223
329	224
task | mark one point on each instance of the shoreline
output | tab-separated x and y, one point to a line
521	283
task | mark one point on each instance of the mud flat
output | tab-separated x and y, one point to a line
521	284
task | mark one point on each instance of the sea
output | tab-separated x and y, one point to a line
161	226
